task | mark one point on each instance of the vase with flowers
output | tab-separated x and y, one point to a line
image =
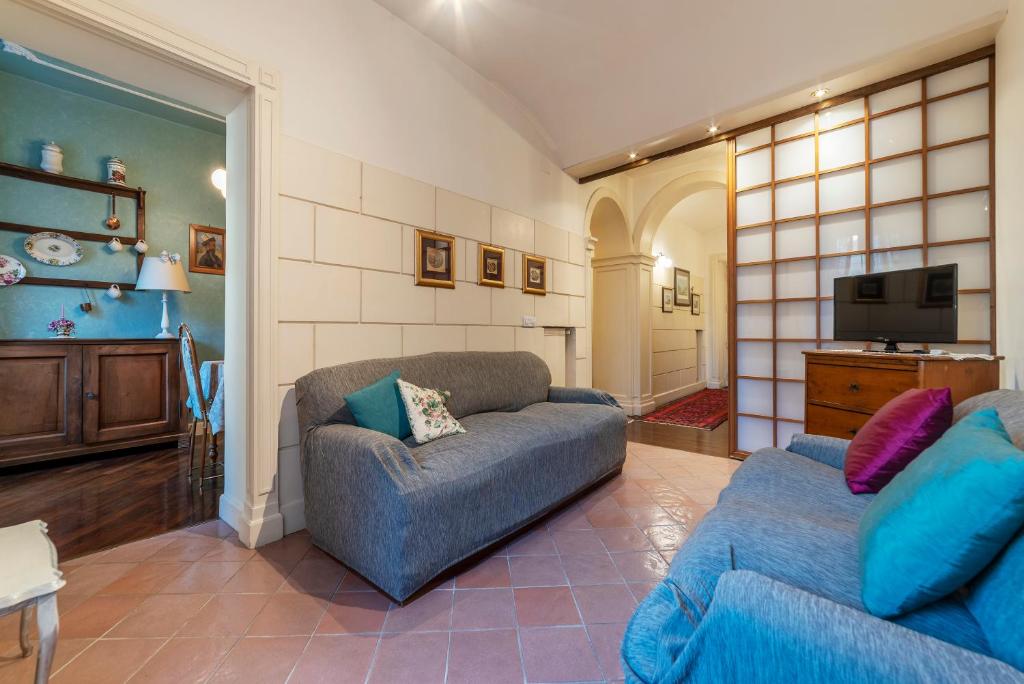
62	327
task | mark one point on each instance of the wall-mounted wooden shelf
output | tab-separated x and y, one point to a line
39	176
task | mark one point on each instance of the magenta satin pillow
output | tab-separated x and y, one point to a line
895	435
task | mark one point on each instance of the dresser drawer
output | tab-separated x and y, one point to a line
833	422
855	387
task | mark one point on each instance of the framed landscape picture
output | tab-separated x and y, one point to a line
206	249
491	266
667	295
682	287
535	275
695	307
435	259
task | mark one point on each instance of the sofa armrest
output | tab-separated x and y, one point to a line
349	452
580	395
828	450
761	630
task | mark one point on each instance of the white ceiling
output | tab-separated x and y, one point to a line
603	77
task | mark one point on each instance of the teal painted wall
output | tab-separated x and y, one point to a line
171	161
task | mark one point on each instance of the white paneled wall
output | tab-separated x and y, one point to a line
900	179
346	290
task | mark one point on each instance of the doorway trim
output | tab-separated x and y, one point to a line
101	29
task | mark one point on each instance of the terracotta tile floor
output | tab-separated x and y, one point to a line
195	606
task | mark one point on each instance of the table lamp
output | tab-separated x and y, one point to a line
163	273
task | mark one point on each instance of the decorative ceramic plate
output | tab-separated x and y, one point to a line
55	249
11	270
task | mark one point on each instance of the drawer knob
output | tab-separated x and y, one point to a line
854	387
90	395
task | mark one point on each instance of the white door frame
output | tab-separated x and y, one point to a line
130	45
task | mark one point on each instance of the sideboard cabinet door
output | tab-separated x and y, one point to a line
129	391
40	397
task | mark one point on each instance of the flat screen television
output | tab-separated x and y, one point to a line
913	305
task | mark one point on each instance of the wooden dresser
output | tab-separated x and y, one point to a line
61	398
844	389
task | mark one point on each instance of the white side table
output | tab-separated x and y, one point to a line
29	577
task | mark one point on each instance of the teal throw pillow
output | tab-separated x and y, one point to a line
943	518
379	407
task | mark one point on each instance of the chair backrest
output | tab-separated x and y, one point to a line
478	381
190	363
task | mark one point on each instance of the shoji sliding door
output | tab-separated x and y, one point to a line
899	178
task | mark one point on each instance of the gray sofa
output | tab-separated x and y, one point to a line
401	514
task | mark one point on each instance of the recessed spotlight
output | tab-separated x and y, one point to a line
820	93
632	155
712	129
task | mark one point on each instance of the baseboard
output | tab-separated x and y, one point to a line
256	525
294	515
672	395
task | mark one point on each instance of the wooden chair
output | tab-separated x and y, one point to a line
30	578
200	408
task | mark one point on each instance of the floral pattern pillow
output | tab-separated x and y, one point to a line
428	417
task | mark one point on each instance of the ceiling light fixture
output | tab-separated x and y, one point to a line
632	155
712	129
820	93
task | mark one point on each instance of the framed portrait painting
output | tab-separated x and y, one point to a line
535	275
206	249
491	266
667	296
435	259
682	287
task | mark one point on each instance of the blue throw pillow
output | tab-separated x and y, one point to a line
944	518
379	407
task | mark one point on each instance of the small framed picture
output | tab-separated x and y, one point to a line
535	275
667	296
206	249
682	283
695	305
435	259
491	266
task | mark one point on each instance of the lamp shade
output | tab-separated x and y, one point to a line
160	273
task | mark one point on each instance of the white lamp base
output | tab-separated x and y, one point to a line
165	322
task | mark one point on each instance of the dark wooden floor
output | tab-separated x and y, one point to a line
99	502
711	442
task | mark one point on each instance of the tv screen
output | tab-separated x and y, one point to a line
914	305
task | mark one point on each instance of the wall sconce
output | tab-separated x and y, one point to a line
663	261
219	178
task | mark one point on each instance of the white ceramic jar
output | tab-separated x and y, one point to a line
53	158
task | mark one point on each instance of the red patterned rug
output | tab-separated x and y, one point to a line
706	410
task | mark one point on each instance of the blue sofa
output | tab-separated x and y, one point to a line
400	514
767	589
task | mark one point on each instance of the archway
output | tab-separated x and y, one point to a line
613	348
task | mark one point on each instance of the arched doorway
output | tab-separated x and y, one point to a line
613	347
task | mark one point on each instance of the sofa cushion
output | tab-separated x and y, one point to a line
788	483
896	435
498	439
428	417
478	382
944	518
997	603
379	407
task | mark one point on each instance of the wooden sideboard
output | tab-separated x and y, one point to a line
844	389
69	397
